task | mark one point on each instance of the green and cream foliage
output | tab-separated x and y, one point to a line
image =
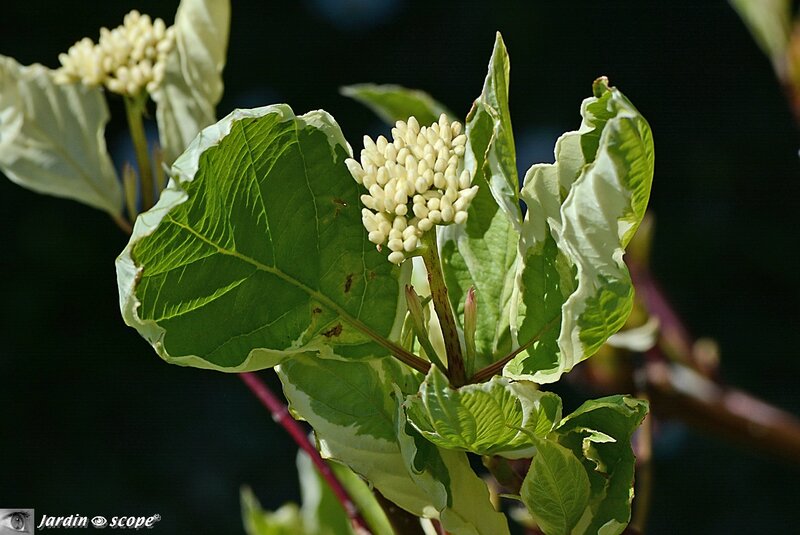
256	256
261	253
52	121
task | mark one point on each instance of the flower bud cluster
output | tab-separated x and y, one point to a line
415	182
126	59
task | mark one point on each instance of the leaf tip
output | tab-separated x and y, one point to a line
600	87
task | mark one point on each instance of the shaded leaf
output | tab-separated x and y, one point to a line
285	521
769	21
483	252
51	137
354	418
556	489
599	433
355	410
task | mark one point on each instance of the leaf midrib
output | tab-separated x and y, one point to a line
322	298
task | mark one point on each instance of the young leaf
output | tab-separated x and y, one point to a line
192	86
459	495
491	137
394	103
573	289
599	433
483	253
493	418
256	251
51	137
556	489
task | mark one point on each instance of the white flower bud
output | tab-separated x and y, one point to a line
396	257
127	60
419	174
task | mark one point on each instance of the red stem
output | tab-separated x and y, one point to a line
280	413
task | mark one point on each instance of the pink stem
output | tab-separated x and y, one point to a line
280	413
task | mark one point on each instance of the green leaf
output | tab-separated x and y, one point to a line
394	103
356	411
599	433
363	497
770	23
321	511
491	138
460	496
256	251
285	521
573	289
354	418
483	253
51	137
556	489
493	418
192	86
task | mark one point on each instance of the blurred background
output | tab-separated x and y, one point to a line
93	422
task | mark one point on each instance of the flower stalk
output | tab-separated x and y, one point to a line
441	305
134	111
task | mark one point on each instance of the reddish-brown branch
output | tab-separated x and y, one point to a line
679	388
681	393
280	413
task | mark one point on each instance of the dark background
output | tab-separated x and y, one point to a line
94	423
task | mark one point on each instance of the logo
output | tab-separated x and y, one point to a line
16	521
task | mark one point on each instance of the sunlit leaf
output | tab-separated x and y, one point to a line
491	138
493	418
256	251
573	288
